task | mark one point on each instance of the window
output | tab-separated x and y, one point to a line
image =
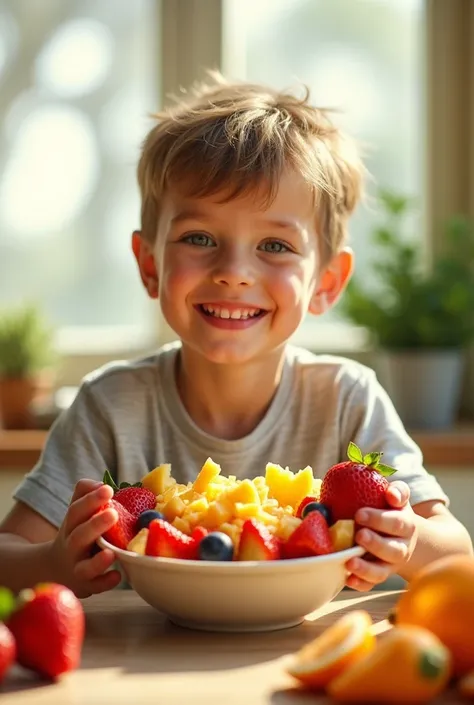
78	82
365	58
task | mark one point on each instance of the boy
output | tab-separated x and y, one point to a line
246	195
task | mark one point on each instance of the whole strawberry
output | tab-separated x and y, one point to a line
358	482
7	650
48	625
135	498
123	531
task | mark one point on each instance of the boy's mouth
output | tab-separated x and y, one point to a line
237	314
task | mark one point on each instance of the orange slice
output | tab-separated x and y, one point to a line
409	665
466	685
349	639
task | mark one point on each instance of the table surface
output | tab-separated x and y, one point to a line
134	654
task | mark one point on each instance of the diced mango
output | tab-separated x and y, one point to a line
217	514
183	525
174	508
208	472
198	505
138	543
159	479
245	492
342	534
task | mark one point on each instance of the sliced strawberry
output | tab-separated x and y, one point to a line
303	504
198	533
166	541
121	533
257	543
310	538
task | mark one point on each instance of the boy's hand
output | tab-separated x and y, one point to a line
72	555
389	535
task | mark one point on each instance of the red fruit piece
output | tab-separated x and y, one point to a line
358	482
135	498
7	650
257	543
303	503
121	533
310	538
48	626
166	541
198	533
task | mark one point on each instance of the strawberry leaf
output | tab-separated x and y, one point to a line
354	453
385	470
372	459
124	485
109	480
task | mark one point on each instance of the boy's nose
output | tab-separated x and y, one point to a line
233	271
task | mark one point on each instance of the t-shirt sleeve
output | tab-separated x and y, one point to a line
79	445
370	420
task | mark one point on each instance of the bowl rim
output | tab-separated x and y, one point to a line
233	566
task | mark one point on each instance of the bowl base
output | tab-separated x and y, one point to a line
234	628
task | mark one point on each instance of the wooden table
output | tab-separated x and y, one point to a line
132	655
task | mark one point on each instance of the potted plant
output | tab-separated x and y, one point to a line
421	319
26	353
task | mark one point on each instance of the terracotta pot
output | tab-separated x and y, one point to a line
16	397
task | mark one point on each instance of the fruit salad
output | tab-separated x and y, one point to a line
279	515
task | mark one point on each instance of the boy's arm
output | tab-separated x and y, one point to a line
439	534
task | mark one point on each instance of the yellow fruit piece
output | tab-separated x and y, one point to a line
409	665
208	472
159	479
287	487
342	534
174	508
214	490
316	490
262	488
465	685
182	524
345	642
233	531
243	493
193	519
286	525
138	543
198	505
440	597
218	513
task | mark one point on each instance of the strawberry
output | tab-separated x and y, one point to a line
198	533
135	498
121	533
7	650
166	541
358	482
257	543
303	504
310	538
48	625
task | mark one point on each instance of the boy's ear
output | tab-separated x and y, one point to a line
143	252
333	281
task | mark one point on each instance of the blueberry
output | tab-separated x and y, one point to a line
317	507
147	516
216	546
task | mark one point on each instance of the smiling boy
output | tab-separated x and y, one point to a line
246	196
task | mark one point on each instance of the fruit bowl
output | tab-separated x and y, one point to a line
235	596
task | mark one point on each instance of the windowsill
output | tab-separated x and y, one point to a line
454	448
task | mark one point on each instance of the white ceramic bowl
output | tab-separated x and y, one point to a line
236	596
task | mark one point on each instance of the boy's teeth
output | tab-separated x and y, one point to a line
237	314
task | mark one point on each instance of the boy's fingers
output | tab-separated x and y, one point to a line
85	506
105	582
374	573
392	523
398	494
358	584
91	568
83	487
390	550
86	534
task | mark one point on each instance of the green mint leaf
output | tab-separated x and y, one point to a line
7	603
109	480
354	453
372	458
385	470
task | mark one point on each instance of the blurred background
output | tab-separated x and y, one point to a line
78	82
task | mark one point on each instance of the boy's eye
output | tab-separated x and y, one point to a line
199	239
274	246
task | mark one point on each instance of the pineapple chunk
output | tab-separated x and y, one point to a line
208	472
286	526
183	525
217	514
174	508
159	479
316	491
342	534
287	487
138	543
233	531
200	505
245	492
262	488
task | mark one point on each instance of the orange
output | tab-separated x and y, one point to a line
343	643
441	598
410	665
466	685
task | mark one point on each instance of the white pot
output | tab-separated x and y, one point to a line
424	385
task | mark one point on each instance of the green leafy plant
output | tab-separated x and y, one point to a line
412	307
26	342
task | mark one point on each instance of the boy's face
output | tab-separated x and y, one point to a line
235	279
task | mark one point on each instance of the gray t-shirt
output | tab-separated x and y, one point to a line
128	417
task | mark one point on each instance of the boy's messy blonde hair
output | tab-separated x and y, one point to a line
234	138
